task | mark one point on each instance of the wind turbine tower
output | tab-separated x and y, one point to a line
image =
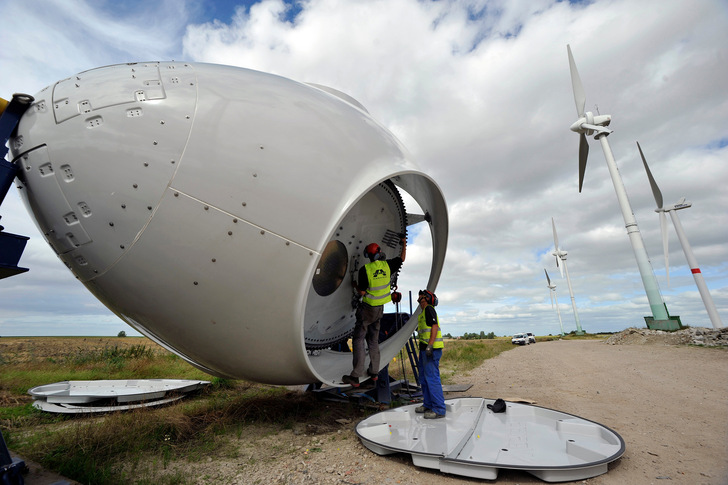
589	124
697	275
561	255
552	294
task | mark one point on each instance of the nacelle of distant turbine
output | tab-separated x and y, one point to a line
681	204
221	211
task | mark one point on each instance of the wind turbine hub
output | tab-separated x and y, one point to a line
576	127
588	124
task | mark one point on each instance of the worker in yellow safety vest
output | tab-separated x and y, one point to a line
431	345
373	285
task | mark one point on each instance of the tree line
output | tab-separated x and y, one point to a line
473	336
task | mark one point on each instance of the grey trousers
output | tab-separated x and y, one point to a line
368	321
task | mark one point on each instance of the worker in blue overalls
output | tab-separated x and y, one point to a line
431	346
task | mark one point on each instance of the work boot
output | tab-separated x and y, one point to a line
373	377
368	384
433	415
353	381
421	409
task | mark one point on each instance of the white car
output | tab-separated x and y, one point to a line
531	338
520	339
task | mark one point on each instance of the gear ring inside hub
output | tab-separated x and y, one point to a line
330	315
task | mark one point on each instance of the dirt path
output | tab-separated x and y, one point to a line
669	403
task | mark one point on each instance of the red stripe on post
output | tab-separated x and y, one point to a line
696	270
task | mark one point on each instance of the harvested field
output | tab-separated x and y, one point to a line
27	349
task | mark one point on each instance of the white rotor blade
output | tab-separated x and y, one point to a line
551	288
580	100
583	155
655	189
663	229
579	94
663	219
556	246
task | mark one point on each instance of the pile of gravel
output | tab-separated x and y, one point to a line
707	337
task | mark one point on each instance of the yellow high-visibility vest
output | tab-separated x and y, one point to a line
378	275
424	331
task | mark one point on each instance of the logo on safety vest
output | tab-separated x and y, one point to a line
379	272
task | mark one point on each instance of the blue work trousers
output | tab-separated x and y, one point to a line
432	397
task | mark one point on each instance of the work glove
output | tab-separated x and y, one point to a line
428	352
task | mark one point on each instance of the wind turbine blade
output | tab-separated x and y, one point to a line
557	253
663	229
579	94
551	288
655	189
556	238
583	154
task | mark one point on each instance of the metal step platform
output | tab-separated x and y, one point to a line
473	441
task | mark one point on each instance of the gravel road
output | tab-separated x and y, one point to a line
669	403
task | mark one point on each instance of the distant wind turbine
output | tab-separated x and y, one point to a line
561	255
589	124
552	294
697	275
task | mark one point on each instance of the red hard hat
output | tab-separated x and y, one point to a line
372	249
429	297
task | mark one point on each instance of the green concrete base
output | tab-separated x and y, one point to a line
672	324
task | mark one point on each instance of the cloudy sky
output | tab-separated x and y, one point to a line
479	92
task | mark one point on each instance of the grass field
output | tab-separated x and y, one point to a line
115	447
